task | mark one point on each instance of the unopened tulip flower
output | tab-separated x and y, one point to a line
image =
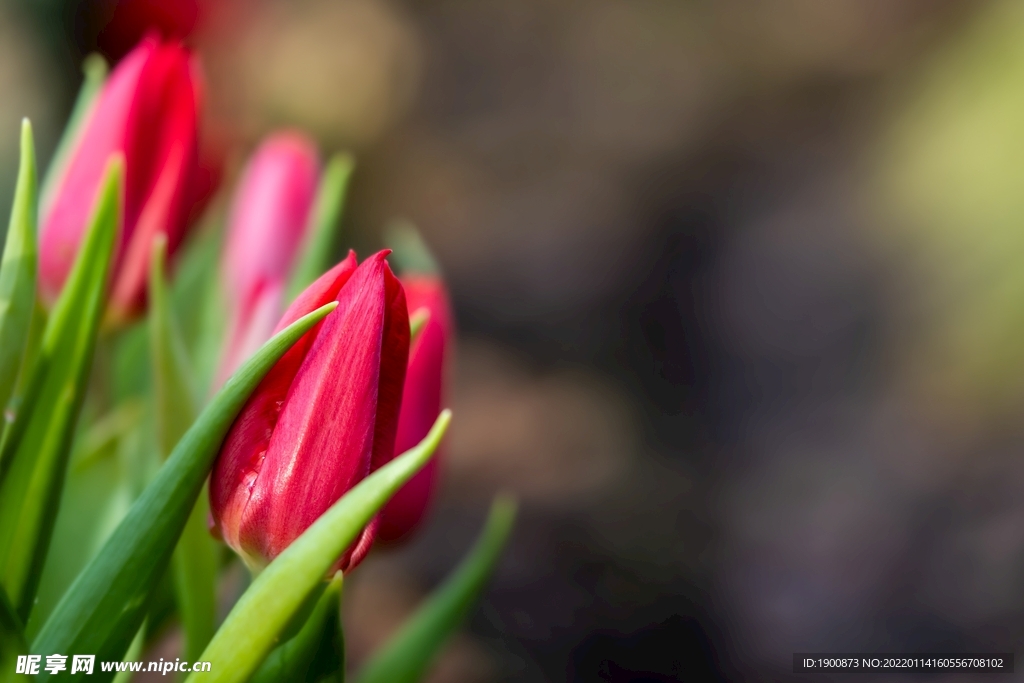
422	398
147	111
323	418
268	221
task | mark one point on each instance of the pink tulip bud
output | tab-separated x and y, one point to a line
421	402
268	221
321	420
148	112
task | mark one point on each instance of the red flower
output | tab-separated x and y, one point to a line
147	111
268	221
322	419
422	399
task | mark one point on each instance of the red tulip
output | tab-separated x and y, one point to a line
421	402
147	111
268	220
321	420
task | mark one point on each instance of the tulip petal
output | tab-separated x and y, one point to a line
254	624
405	658
63	225
422	397
349	387
94	69
102	611
269	215
243	449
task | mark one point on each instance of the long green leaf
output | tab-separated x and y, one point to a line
315	254
34	455
174	390
195	558
407	655
104	607
18	269
94	68
103	479
12	640
291	661
197	279
132	655
253	627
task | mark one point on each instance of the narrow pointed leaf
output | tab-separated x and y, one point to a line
34	454
94	68
407	655
291	661
12	640
18	269
132	655
195	558
174	392
197	279
104	607
315	254
102	482
253	627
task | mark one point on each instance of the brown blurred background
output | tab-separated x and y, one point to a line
740	289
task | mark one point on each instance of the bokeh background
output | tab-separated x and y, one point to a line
740	289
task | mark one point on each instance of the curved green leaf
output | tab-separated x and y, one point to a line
94	68
315	254
18	269
104	607
292	660
195	558
407	655
254	625
35	450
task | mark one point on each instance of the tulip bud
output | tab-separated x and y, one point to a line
268	222
147	111
422	398
321	420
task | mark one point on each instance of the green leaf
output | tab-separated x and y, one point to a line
101	612
407	655
12	639
195	558
34	454
95	70
315	254
18	269
132	655
256	622
409	252
174	390
292	660
102	482
197	279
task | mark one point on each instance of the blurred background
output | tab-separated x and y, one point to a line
740	289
